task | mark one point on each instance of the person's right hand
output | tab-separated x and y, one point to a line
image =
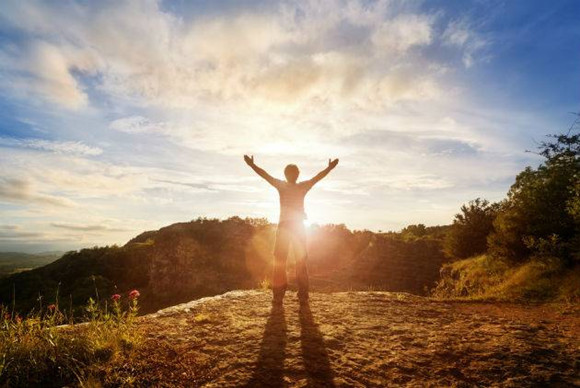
332	163
249	160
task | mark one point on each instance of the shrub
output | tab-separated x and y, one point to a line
486	277
38	350
470	277
467	236
541	204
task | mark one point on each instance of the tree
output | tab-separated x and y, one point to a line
574	203
412	232
468	234
542	203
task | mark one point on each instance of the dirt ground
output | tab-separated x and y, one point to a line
354	339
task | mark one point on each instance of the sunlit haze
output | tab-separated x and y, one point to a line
118	117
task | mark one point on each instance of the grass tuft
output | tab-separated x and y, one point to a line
41	349
486	278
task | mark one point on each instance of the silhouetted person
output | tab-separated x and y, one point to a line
290	226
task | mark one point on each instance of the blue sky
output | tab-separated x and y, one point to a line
123	116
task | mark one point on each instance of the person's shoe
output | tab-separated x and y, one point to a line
278	296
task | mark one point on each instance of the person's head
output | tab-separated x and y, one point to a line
291	172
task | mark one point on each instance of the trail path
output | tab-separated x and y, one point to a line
355	339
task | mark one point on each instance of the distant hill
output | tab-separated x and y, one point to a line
207	257
13	262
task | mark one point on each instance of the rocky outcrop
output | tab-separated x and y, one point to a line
353	339
200	258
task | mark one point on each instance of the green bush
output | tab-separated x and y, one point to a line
467	236
470	277
38	350
542	204
486	277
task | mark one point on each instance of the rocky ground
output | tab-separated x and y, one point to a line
354	339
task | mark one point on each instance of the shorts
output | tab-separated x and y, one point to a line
290	233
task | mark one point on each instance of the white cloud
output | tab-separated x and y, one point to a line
61	147
402	33
267	59
23	191
18	235
52	68
136	124
460	34
86	227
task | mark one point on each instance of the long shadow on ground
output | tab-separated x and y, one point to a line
269	371
314	352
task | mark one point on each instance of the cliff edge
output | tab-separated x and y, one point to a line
353	339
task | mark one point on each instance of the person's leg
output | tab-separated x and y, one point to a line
279	279
301	254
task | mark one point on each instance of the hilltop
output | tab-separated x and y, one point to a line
206	257
351	339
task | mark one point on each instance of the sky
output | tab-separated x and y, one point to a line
118	117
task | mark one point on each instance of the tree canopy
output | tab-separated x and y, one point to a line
542	206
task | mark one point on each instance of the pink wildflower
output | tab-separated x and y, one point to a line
134	294
115	297
51	307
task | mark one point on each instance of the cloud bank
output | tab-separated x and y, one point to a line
146	107
302	52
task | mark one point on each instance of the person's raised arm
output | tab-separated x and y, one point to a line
331	165
261	172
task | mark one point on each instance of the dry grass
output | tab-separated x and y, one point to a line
485	278
38	350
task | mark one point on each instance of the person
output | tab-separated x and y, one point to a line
291	231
